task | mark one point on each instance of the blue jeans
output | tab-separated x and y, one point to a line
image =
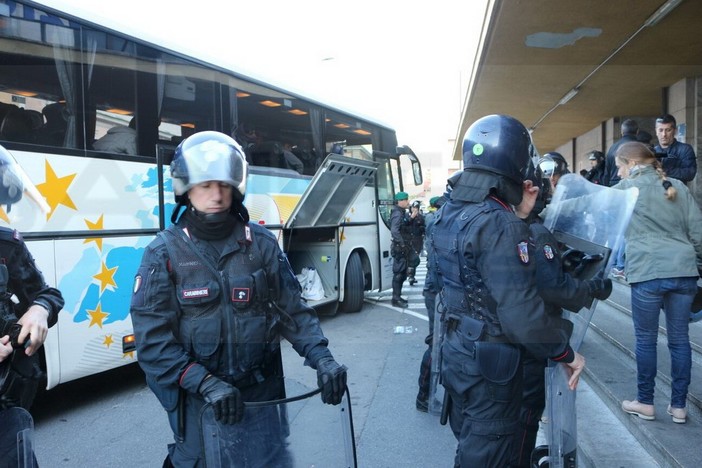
675	295
619	257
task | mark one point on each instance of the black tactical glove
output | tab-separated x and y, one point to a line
600	288
225	399
331	378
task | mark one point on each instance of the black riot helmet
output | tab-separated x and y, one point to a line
553	163
498	144
540	180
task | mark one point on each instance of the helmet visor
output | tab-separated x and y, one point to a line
209	156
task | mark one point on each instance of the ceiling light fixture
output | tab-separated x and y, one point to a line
662	12
269	103
569	95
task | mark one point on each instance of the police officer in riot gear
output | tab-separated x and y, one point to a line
553	166
24	322
212	298
490	296
559	290
430	290
401	249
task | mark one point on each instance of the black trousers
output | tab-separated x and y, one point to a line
486	399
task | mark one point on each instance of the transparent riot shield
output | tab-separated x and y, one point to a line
298	431
589	222
16	438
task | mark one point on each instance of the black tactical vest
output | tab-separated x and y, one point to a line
225	313
464	292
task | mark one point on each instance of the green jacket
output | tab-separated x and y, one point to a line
664	238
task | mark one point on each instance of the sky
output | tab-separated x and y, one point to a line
405	64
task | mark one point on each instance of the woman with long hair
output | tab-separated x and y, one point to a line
663	259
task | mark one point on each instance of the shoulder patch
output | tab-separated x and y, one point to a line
523	252
549	252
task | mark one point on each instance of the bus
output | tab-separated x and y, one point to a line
93	117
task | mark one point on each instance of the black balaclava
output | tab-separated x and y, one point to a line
211	226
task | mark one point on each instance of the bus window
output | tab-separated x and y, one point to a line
186	98
385	188
276	130
110	122
38	78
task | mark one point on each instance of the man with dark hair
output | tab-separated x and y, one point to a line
629	130
678	158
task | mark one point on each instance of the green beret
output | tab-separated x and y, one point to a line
401	196
433	200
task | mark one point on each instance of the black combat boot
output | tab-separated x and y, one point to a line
410	276
397	300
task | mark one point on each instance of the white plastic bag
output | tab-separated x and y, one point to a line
311	284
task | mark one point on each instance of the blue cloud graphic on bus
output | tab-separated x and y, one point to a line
79	287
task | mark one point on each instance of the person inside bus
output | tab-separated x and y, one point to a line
291	160
53	132
119	139
246	136
24	324
233	268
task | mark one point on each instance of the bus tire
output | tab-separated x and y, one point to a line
354	283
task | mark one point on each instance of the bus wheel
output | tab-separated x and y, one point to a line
353	285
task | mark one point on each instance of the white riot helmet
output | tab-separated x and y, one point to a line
208	156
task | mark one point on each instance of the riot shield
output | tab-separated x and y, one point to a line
299	431
589	222
16	438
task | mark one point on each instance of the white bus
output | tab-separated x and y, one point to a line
322	179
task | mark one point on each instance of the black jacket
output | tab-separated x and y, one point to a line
26	281
217	312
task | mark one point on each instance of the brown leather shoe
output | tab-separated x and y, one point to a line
647	412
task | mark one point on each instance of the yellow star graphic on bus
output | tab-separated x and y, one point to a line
97	225
97	316
108	340
106	277
4	216
55	189
129	354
